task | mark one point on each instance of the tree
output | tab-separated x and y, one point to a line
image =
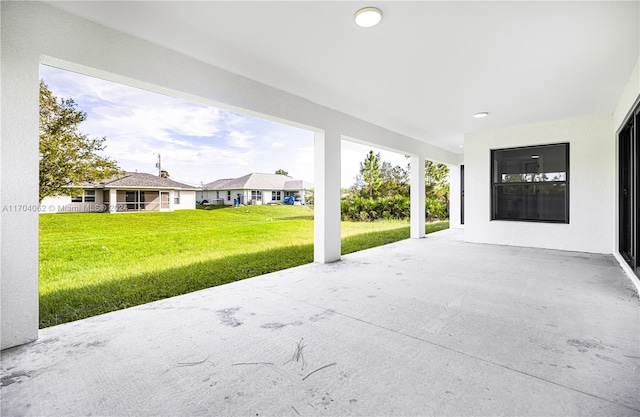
67	156
395	180
437	190
370	173
282	172
436	177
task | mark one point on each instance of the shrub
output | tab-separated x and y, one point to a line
366	209
398	207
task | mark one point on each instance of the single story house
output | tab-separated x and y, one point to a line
254	188
131	192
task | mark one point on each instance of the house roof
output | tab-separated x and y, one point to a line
140	180
259	181
297	185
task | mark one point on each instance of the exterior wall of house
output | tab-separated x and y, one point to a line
267	197
592	173
227	199
627	102
628	98
210	195
234	194
63	204
187	200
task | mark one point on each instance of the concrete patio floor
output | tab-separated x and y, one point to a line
420	327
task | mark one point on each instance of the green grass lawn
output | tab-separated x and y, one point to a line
92	263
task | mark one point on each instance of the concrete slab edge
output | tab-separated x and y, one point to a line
628	271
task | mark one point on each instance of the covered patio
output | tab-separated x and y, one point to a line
505	314
435	326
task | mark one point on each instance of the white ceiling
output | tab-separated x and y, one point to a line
424	71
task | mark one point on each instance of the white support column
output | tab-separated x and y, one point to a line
455	207
417	197
327	147
19	198
113	201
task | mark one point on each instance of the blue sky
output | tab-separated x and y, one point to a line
198	143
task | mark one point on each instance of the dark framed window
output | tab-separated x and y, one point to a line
276	196
530	183
89	196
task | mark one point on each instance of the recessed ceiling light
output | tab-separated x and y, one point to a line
481	115
367	17
535	156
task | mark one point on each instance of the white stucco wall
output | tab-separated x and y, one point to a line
63	204
628	98
187	200
592	186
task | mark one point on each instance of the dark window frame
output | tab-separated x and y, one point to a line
494	186
89	196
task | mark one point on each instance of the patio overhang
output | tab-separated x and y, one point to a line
29	38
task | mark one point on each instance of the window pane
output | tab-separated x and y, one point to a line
534	164
531	202
531	183
90	196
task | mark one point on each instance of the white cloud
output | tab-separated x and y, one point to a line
197	142
239	139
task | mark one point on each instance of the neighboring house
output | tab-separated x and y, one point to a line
255	188
130	192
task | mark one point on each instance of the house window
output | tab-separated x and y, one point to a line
88	196
256	195
176	197
228	195
531	183
275	195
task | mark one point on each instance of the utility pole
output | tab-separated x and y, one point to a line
159	166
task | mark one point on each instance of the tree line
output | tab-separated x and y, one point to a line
382	191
